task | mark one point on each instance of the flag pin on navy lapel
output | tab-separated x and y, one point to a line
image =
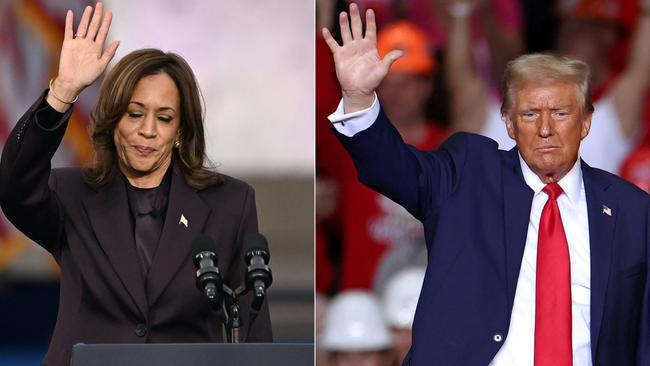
184	221
607	211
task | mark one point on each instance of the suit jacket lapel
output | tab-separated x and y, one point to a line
518	198
108	212
601	231
175	242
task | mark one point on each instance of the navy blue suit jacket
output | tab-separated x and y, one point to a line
475	207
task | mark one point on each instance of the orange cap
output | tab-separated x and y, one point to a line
407	37
606	11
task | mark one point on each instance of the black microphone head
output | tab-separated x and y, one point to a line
256	243
202	243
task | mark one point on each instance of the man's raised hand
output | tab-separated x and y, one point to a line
359	68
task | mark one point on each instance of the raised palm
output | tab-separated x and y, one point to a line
83	57
359	68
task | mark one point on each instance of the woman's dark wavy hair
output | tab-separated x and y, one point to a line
114	97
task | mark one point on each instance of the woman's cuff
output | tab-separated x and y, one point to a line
48	118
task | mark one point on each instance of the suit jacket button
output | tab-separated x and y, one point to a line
497	338
141	330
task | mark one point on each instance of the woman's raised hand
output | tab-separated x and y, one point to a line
83	57
359	68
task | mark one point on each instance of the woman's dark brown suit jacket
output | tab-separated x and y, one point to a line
105	298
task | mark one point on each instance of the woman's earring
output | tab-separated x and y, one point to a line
177	144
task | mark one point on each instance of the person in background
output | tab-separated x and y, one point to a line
328	156
589	31
321	304
495	29
355	332
399	300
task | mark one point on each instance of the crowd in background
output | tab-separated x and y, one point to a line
370	252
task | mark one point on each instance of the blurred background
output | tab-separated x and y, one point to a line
254	63
370	252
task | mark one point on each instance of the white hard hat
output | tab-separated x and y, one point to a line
354	323
400	298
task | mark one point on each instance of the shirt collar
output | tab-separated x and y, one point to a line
149	200
571	183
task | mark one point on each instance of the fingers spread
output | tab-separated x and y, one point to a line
94	23
331	42
103	30
371	27
391	57
67	34
357	28
83	23
345	28
109	52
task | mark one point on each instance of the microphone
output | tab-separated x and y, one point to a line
258	273
208	276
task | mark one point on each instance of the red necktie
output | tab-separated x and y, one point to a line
553	287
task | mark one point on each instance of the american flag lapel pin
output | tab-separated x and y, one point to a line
607	211
184	221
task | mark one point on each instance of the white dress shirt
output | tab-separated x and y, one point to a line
518	348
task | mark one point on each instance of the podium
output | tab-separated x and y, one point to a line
194	354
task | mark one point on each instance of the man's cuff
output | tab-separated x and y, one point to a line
352	123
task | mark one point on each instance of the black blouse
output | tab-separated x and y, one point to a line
148	207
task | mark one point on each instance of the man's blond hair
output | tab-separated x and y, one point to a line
544	69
